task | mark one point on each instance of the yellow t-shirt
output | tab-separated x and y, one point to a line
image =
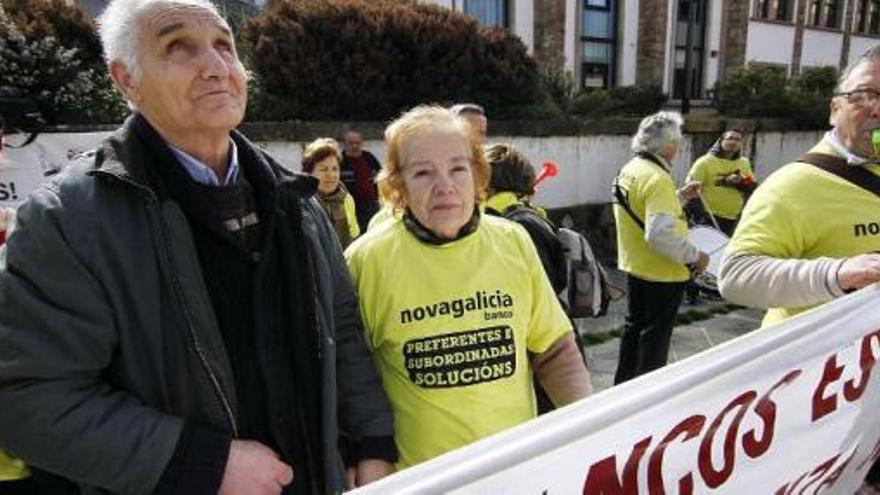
12	468
351	216
803	212
723	201
450	329
384	213
649	189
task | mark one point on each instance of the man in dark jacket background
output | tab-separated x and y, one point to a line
358	171
175	313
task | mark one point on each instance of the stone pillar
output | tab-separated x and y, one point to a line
735	34
651	46
847	32
550	34
798	38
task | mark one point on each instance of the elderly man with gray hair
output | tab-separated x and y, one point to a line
175	312
652	244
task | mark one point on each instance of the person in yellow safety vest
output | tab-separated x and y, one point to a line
726	177
652	244
802	239
321	159
458	312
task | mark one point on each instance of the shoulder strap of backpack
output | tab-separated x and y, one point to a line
622	201
514	211
839	167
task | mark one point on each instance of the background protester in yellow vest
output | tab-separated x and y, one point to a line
652	244
457	309
321	159
805	235
726	176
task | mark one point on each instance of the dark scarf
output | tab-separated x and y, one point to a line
425	235
334	206
718	151
282	296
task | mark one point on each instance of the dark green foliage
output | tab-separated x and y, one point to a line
624	100
372	59
51	54
753	91
70	26
764	91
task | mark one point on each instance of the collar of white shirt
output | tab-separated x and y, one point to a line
202	173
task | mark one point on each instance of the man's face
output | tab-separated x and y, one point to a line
353	144
191	80
857	114
731	142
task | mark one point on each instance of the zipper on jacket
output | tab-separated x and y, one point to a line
153	203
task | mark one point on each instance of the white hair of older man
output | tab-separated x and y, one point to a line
120	27
657	132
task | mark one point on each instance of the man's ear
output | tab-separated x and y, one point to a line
833	107
124	80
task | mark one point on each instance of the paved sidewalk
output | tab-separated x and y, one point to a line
687	339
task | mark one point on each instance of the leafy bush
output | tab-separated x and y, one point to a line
50	53
623	100
753	91
372	59
762	91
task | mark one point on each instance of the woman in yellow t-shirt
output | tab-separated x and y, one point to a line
457	309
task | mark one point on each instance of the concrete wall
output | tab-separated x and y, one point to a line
821	48
770	43
859	45
588	164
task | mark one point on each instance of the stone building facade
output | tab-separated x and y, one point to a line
624	42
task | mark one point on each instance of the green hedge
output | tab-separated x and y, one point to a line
764	91
50	53
624	100
372	59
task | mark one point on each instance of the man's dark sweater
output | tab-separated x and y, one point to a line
233	229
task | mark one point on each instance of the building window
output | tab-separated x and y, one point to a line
825	13
492	13
774	10
867	17
698	41
598	43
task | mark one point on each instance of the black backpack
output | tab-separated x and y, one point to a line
586	292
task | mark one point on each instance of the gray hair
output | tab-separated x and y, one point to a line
870	55
467	108
656	132
120	27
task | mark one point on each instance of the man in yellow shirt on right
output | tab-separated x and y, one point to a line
808	234
726	177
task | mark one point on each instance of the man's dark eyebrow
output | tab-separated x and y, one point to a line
170	29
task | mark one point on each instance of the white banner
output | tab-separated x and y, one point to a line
789	409
23	169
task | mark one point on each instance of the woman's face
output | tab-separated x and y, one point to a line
327	172
439	181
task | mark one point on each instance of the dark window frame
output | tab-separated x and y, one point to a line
781	12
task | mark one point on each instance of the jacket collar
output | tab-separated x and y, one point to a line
123	155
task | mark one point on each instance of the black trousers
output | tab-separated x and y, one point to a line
650	317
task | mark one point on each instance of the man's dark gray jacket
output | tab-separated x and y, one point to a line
108	337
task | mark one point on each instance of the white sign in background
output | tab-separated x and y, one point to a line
23	169
788	409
